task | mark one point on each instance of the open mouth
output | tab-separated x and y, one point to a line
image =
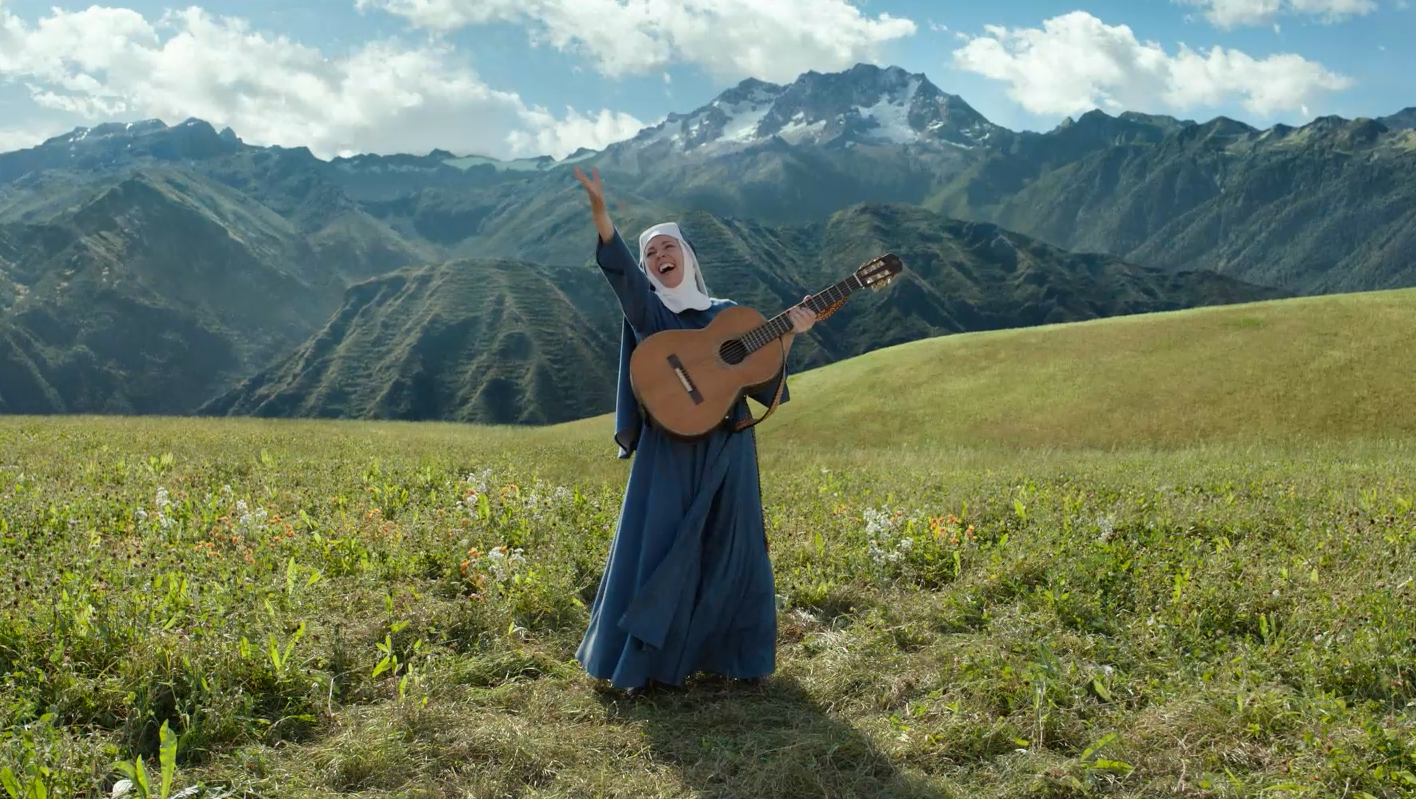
664	268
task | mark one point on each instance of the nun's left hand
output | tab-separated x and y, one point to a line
802	318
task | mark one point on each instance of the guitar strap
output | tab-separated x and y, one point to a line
743	424
750	422
777	398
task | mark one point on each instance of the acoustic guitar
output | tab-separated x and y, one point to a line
689	380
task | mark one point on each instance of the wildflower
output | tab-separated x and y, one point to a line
887	545
1106	526
163	503
499	562
248	519
478	482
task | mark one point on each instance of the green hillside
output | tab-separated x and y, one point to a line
146	293
489	341
1324	368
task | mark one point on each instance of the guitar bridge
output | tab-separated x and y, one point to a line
688	386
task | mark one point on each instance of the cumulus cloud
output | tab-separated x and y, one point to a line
21	138
546	134
773	40
1242	13
1076	63
105	63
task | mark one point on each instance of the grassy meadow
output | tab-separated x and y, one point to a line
1131	558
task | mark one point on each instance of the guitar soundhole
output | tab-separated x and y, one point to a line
733	352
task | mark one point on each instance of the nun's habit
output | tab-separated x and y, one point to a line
688	585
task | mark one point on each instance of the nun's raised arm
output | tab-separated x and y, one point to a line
630	283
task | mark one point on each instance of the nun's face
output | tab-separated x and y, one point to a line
664	257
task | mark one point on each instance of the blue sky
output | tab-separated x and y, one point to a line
500	76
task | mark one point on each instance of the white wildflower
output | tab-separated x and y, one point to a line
163	503
1106	526
888	543
248	520
500	562
478	481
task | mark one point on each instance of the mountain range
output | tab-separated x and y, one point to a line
147	268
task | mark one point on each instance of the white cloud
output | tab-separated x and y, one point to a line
21	138
105	63
774	40
1075	63
546	134
1243	13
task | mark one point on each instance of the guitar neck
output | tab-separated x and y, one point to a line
781	324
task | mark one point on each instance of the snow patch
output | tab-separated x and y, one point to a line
743	121
798	130
893	117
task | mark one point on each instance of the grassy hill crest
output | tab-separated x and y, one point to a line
1329	367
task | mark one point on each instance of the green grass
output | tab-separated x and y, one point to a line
1129	617
1317	367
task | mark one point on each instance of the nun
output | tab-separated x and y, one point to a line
688	584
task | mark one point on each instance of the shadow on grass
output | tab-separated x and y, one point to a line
773	741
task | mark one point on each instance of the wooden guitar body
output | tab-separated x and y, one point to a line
689	380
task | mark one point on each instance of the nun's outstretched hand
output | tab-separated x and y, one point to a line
593	188
596	192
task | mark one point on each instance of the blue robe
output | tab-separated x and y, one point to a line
688	585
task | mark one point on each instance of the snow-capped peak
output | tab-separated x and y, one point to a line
863	105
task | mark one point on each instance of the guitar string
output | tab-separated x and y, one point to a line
757	338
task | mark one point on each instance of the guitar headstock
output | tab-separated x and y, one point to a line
878	273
